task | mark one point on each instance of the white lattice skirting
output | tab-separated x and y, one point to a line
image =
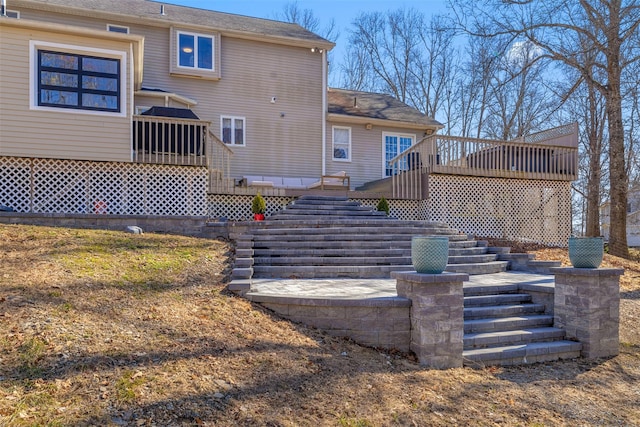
525	210
236	207
70	186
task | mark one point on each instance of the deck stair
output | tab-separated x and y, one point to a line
502	326
332	237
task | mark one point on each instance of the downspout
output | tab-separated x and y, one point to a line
324	112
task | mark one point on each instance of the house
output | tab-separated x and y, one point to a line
137	107
633	217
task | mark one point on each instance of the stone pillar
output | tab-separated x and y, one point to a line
587	307
437	317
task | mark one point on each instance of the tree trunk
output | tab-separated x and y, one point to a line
618	177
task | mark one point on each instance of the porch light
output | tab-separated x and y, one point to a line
187	49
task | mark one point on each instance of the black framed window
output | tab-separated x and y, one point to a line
69	80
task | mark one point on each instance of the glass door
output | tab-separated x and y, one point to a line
395	144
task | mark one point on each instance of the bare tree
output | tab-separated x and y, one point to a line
557	26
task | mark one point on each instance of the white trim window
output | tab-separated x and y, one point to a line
341	143
65	77
233	130
12	14
195	51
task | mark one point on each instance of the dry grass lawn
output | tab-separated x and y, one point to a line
111	329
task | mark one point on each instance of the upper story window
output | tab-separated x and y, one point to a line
233	130
117	29
71	80
195	54
195	51
342	144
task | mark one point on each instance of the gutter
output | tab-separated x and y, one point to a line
325	111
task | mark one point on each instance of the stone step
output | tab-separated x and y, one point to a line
513	337
258	238
333	252
386	228
542	267
349	206
310	198
336	261
507	323
337	222
328	271
477	290
312	249
463	244
471	259
242	273
301	213
491	300
331	245
464	251
498	311
484	268
522	354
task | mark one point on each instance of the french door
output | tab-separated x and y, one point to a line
394	144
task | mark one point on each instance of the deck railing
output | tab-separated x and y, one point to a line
486	158
219	162
169	141
185	142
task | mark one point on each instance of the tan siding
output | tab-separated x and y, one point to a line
252	73
65	134
366	151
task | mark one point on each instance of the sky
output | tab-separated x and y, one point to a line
343	12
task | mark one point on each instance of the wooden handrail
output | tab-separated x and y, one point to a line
484	157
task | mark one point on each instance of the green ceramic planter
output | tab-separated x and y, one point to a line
429	255
586	252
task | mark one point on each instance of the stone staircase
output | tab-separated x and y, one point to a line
332	237
319	237
502	326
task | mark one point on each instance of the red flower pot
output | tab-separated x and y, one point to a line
258	217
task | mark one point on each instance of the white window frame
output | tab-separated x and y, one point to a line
349	145
195	51
35	46
233	134
15	14
384	148
112	28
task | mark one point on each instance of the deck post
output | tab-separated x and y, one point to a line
437	321
587	307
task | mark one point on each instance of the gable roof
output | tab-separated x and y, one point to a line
357	105
149	11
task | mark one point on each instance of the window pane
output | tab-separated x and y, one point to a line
226	131
58	97
100	65
239	131
50	78
340	153
100	83
186	50
205	53
341	136
58	60
99	101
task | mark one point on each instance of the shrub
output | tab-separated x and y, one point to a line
258	205
383	206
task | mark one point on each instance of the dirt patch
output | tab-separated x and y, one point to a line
105	328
